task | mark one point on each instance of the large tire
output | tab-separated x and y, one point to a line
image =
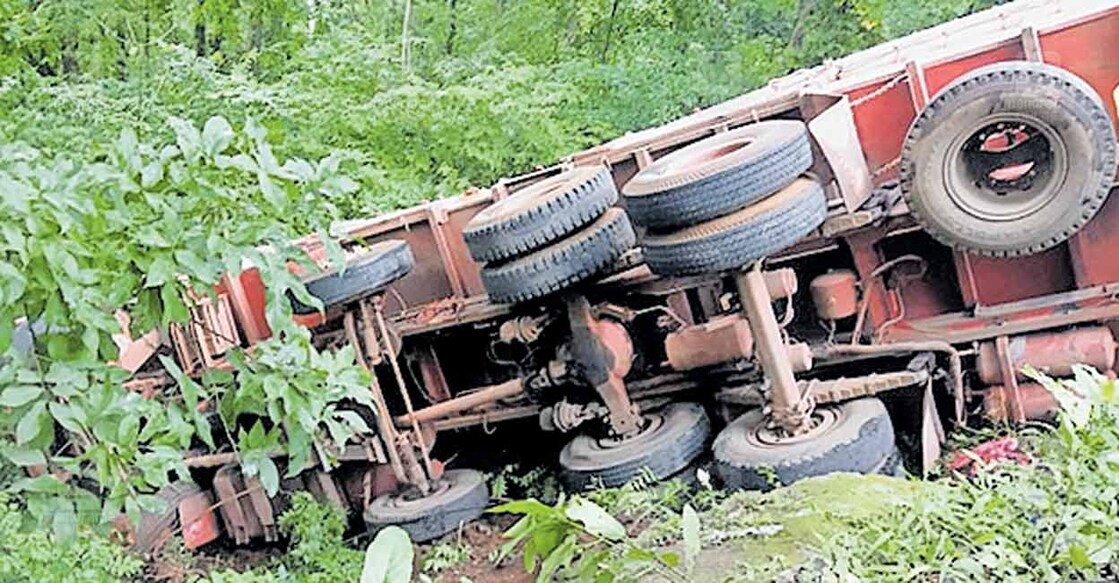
677	436
718	175
958	161
155	529
540	213
563	263
742	237
461	496
858	437
371	269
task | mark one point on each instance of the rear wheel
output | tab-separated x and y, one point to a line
855	436
563	262
1010	160
742	237
540	213
718	175
367	271
459	496
669	441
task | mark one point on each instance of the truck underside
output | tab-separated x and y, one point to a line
825	272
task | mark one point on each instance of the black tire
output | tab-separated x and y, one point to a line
1043	119
562	263
742	237
859	438
371	269
540	213
677	435
156	528
718	175
461	496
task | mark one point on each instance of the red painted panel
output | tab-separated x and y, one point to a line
1094	249
939	76
1006	280
882	122
1090	51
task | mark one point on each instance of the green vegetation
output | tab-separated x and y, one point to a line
146	148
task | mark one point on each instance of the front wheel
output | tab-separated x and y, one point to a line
459	496
668	442
855	436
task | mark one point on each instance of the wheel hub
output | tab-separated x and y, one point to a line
648	425
412	497
821	421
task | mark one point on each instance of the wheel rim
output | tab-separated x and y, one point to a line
652	424
1012	166
702	156
823	420
414	498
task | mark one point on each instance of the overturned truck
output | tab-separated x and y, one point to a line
816	276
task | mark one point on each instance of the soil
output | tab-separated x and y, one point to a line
484	538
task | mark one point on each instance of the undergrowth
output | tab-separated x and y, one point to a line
39	556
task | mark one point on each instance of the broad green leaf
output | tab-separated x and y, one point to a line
216	135
187	137
31	423
269	475
388	559
20	395
22	456
596	520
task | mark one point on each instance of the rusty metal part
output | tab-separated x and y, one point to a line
871	279
466	402
780	283
832	390
565	416
522	329
392	353
369	450
197	520
1053	353
789	407
955	366
433	383
722	339
1006	371
1033	401
800	356
835	294
237	512
615	340
593	347
384	425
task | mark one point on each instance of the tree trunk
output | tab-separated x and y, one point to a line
452	28
609	29
405	42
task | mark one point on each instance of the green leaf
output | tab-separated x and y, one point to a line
20	395
388	559
161	271
174	310
22	456
187	137
269	475
596	520
216	135
31	423
690	527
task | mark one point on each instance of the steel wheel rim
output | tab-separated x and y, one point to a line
978	185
